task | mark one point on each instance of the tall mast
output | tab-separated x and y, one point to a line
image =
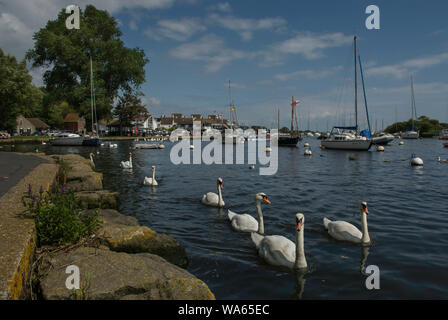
278	121
412	102
356	86
292	116
91	92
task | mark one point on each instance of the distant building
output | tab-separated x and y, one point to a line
28	126
39	124
74	123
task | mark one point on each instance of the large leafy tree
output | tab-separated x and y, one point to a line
17	93
130	110
67	55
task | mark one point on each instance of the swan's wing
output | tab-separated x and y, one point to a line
147	180
231	214
210	198
344	231
326	222
278	250
245	222
155	182
256	239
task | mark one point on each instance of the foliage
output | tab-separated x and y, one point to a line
17	93
423	124
129	109
285	130
58	216
67	55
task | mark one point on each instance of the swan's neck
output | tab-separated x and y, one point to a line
260	218
365	230
300	262
130	160
220	201
153	176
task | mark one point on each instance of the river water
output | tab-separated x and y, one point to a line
408	217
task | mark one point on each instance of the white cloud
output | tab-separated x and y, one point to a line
403	69
308	44
209	49
179	30
19	19
246	27
308	74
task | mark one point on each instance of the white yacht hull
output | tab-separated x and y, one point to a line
359	145
383	139
409	135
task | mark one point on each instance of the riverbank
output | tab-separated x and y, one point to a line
18	238
122	260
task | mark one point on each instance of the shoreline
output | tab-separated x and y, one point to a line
155	262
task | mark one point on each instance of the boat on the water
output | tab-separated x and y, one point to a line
443	135
383	139
293	138
412	133
348	138
67	139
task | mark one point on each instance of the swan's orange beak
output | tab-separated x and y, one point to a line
299	226
267	200
366	211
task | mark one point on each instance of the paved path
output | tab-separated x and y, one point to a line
14	167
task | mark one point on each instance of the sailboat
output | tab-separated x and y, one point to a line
94	139
348	138
411	134
74	139
291	139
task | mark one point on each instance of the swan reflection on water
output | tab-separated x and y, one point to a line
299	275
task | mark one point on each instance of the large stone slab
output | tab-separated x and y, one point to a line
123	234
99	199
108	275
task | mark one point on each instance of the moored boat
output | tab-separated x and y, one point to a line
67	139
348	138
443	135
383	139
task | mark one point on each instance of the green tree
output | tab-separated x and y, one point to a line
285	130
67	54
129	110
17	93
426	126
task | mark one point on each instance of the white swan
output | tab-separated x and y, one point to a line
127	164
280	251
91	159
247	223
151	181
344	231
213	199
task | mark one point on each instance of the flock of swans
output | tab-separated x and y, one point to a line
278	250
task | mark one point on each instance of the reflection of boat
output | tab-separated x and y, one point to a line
347	138
411	134
291	139
443	135
149	146
67	139
383	138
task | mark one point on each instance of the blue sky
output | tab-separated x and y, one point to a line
271	50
